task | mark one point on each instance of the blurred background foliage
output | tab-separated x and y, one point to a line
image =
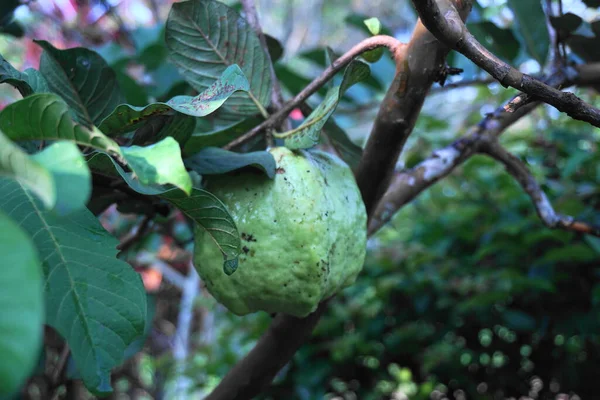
464	295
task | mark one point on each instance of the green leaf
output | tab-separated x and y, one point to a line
293	81
159	164
46	116
308	133
28	82
213	160
275	48
373	25
531	27
205	37
219	135
210	214
348	150
101	162
57	175
21	305
17	164
126	118
360	21
83	79
71	177
180	127
95	301
566	23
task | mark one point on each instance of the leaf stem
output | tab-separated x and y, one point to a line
393	44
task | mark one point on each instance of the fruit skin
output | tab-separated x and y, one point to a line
303	235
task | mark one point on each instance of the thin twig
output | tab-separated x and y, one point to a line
543	207
275	119
443	20
138	233
407	185
60	365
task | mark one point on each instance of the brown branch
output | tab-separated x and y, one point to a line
286	334
418	67
407	185
275	119
543	207
443	20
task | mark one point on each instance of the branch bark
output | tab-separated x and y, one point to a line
443	20
407	185
418	67
543	207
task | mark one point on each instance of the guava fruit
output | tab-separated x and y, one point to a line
303	235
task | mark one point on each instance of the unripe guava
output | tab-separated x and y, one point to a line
303	235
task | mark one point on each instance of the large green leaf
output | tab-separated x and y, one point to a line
349	151
46	116
159	164
104	164
70	174
28	82
210	214
179	126
83	79
17	164
57	175
204	37
218	135
213	160
308	133
530	20
21	305
96	302
126	118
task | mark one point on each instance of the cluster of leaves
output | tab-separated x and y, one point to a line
447	302
85	133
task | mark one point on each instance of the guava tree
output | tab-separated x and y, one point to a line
78	143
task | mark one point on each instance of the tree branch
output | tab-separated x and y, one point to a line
409	184
286	334
419	66
543	207
443	20
275	119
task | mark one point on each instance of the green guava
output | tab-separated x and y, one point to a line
303	235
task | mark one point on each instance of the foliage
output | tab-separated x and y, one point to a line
102	174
